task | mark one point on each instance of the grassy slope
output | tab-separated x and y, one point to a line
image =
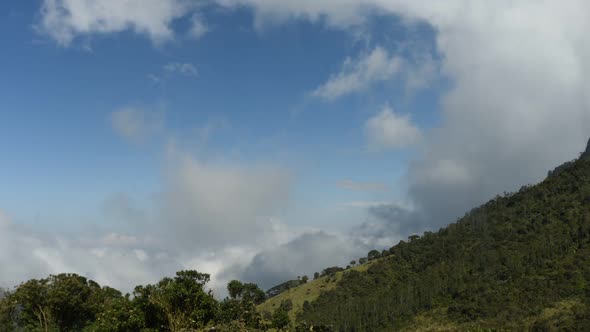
306	292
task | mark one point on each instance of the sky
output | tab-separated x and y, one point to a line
262	140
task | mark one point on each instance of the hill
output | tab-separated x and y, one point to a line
294	299
518	262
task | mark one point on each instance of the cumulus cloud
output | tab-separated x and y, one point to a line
135	124
64	20
186	68
518	103
389	130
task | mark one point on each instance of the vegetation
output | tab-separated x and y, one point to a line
69	302
519	262
502	266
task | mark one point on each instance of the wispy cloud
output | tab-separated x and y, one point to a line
198	26
181	68
363	186
135	124
359	74
363	204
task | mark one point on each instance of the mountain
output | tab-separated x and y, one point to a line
519	262
586	153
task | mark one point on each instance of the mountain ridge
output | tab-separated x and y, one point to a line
501	266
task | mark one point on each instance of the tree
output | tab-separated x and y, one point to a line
74	301
234	288
352	263
362	260
373	254
280	318
183	300
304	279
241	306
118	315
330	271
31	299
248	292
316	275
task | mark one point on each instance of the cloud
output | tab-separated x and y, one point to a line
517	101
64	20
4	219
308	253
136	125
121	207
117	260
363	186
359	74
186	69
388	130
198	26
216	204
516	105
363	204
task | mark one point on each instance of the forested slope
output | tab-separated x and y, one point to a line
521	261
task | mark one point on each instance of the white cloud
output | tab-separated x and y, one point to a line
186	69
198	26
389	130
357	75
518	98
517	105
64	20
416	70
214	204
135	124
26	254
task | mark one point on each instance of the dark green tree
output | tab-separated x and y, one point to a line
280	319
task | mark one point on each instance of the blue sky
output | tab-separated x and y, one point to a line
238	137
252	86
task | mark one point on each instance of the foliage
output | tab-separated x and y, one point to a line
519	262
278	289
500	264
280	318
69	302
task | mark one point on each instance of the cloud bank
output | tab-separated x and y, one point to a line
517	105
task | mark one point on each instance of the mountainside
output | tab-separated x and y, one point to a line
521	261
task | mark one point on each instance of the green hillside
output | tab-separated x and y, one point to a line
519	262
307	292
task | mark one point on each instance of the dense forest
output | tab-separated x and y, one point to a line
519	262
